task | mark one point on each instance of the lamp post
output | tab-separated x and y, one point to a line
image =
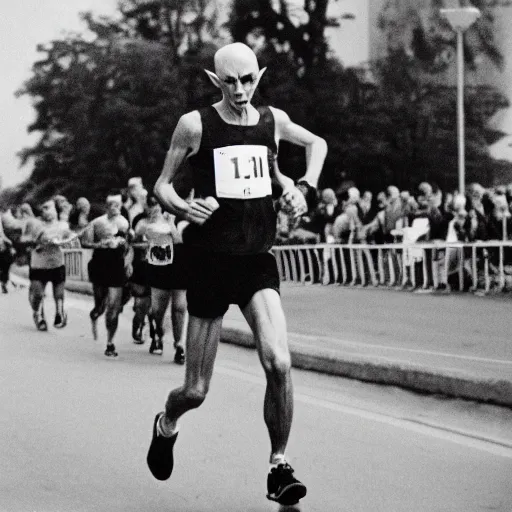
460	19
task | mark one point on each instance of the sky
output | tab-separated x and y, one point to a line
26	23
23	25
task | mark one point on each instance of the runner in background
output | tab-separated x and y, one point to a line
110	266
167	275
45	237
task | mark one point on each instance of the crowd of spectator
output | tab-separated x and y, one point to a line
394	216
426	214
352	217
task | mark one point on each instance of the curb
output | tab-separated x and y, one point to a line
455	384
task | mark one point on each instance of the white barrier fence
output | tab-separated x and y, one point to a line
481	266
474	266
76	261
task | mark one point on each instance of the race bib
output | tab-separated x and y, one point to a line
242	172
160	254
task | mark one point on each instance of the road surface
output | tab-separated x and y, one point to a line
76	426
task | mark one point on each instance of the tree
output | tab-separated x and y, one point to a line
288	27
419	29
107	105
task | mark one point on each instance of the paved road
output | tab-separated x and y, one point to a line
456	332
75	429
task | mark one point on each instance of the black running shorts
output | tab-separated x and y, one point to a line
173	276
48	275
218	280
106	268
139	277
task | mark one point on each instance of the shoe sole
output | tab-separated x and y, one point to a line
290	495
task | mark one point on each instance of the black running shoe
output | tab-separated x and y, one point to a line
111	351
160	458
137	332
179	356
60	320
40	321
156	347
283	487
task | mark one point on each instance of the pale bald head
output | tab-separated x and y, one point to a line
235	59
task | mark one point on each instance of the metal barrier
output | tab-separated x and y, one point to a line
475	266
422	266
76	261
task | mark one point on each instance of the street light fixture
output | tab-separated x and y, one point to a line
460	19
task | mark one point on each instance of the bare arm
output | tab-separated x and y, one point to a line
31	232
88	237
283	181
316	147
3	236
185	142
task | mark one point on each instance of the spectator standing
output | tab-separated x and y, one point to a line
79	217
63	207
323	217
137	198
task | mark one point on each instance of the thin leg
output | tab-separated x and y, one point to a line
113	310
36	295
159	303
202	342
265	316
179	316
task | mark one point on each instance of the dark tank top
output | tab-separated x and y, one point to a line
234	164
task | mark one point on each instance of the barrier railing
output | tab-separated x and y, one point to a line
76	261
423	266
469	266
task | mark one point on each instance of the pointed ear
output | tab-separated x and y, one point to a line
213	77
256	82
258	78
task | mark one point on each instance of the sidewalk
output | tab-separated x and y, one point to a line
456	345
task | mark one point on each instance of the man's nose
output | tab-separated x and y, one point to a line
239	90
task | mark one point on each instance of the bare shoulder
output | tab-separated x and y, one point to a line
34	226
190	125
280	116
122	223
141	228
98	220
191	121
34	222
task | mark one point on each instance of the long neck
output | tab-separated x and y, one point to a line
242	117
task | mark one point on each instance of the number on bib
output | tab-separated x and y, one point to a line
242	172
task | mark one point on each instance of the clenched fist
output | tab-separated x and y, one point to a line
293	202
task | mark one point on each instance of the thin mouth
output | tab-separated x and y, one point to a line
241	103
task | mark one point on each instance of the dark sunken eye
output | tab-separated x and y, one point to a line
247	79
230	80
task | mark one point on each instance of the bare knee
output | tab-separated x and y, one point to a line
112	313
277	362
179	304
195	396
